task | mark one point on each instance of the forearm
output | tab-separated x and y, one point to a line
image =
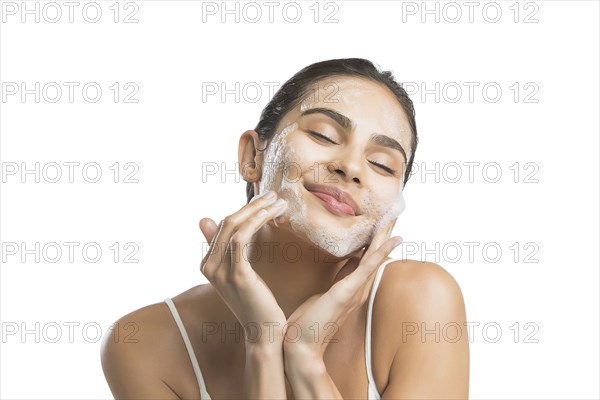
264	376
309	378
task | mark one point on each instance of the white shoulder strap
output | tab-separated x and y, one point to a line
188	345
374	288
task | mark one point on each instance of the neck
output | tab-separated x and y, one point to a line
294	268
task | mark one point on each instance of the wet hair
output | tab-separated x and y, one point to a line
292	92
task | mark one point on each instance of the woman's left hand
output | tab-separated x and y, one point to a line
350	291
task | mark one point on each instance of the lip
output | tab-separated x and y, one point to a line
336	200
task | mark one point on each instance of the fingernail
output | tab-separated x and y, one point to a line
267	195
280	203
398	241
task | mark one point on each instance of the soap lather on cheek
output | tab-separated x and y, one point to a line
272	161
338	240
383	212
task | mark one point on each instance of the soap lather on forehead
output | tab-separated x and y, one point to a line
342	90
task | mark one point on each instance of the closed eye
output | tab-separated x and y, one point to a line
319	135
384	167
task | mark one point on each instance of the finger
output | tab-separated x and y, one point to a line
368	268
380	236
373	261
370	263
230	224
208	228
242	236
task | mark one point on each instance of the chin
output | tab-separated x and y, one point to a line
342	257
337	237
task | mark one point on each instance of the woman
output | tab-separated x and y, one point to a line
290	309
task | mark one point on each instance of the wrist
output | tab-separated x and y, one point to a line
264	351
270	334
300	360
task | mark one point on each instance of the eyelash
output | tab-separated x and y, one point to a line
322	136
384	167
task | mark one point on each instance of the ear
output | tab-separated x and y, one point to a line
248	156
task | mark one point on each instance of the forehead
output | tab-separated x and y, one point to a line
336	89
369	104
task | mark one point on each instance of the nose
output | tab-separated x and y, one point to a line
347	167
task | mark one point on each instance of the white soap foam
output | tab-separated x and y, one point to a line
338	241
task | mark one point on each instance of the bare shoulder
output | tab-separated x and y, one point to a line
422	322
417	295
139	354
411	296
419	280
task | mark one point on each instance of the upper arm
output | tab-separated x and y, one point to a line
432	345
132	367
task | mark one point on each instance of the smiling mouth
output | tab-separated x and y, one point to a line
329	200
334	206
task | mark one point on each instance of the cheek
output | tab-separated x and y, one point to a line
397	205
388	202
384	204
301	156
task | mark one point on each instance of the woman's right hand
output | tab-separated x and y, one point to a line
227	269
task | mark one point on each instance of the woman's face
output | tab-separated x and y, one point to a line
348	135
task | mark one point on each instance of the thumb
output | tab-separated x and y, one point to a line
208	228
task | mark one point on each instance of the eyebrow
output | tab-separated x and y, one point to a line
349	125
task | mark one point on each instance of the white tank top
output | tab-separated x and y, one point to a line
372	390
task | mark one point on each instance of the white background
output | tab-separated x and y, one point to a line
548	212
